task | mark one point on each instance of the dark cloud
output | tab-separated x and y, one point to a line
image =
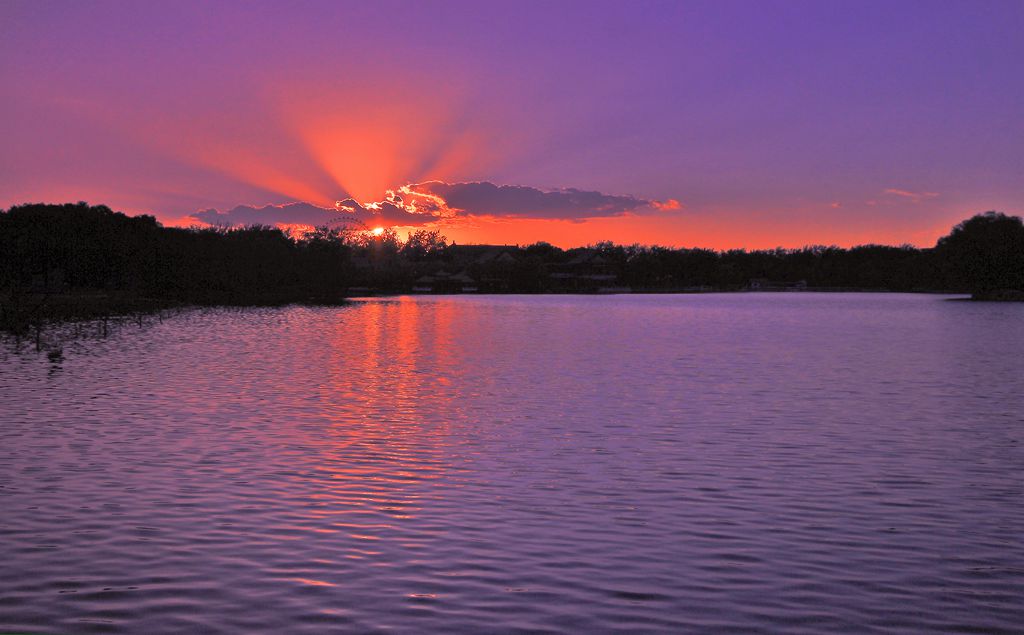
433	201
388	212
348	212
518	201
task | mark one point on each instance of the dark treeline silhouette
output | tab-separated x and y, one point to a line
55	247
983	256
90	251
76	260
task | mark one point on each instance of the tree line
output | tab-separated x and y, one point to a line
77	247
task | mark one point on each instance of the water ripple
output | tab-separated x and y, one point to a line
759	463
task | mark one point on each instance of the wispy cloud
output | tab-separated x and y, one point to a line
913	197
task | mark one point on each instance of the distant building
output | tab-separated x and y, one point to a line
587	272
497	256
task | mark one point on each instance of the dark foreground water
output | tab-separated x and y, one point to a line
753	462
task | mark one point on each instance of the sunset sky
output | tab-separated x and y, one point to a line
715	124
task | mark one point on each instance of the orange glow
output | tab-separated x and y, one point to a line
716	228
372	141
217	145
252	169
370	138
378	231
295	229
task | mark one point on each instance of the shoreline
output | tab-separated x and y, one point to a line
21	313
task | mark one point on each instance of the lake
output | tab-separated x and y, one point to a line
788	462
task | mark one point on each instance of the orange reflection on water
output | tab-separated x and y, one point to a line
309	582
381	431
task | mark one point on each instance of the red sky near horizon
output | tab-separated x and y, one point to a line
711	124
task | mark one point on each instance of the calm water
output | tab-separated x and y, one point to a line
752	462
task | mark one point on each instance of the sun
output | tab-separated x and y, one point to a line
377	231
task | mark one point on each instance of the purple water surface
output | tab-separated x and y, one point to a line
709	463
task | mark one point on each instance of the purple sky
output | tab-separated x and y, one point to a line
771	123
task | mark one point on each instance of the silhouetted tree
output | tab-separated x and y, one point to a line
424	243
985	255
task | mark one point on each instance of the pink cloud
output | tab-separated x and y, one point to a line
667	205
913	197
